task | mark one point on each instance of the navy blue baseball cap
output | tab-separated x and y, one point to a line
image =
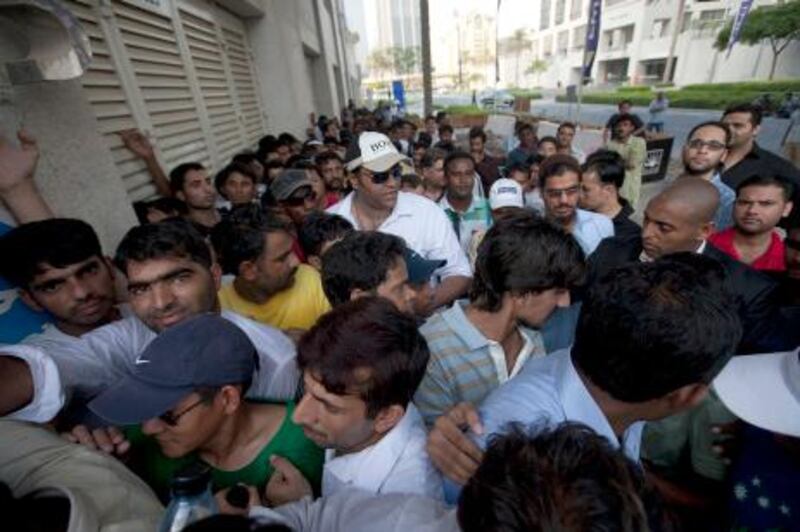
420	269
204	351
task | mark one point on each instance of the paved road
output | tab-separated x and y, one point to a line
678	122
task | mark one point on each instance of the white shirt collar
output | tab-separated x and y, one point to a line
499	357
644	257
369	468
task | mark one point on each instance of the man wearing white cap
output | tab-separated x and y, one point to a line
764	479
505	197
376	204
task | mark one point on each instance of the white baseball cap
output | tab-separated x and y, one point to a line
505	193
763	390
374	151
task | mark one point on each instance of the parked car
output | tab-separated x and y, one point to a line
504	99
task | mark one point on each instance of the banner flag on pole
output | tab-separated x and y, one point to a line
736	30
592	39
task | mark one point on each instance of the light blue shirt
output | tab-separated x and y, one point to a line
723	219
548	391
590	228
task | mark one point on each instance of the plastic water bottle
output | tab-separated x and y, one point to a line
191	498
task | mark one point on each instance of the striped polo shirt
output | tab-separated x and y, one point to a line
464	364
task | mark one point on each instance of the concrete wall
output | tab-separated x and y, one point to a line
75	173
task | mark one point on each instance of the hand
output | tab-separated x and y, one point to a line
227	508
107	439
450	449
137	142
17	164
287	484
727	440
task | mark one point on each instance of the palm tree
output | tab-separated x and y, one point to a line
517	43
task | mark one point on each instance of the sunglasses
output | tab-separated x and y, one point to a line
380	178
300	197
172	419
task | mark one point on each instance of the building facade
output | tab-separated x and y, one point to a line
202	79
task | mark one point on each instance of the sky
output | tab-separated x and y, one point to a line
514	14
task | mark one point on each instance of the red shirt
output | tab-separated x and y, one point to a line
774	259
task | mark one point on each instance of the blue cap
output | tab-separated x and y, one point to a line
420	269
204	351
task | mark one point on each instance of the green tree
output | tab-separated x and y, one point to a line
537	67
778	24
514	45
380	60
405	60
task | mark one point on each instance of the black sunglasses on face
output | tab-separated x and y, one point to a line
300	197
380	178
172	419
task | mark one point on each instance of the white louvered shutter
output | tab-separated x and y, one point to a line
158	67
104	90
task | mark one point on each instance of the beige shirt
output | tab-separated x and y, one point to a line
633	152
104	496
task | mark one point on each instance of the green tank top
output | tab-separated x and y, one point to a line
290	442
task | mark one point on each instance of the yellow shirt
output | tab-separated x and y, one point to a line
297	307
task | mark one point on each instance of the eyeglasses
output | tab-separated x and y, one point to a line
300	197
380	178
713	145
558	192
172	419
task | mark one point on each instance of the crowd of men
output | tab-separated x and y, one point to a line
389	324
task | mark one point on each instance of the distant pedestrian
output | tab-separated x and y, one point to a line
658	108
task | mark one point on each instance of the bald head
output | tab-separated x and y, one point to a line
696	197
680	218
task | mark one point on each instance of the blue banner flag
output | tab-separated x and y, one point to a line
741	16
592	38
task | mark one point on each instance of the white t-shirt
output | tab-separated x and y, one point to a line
424	227
91	363
48	395
397	463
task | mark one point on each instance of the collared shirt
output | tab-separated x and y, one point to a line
48	394
590	228
477	217
397	463
623	225
519	155
577	153
424	227
773	259
723	219
633	151
549	390
759	161
464	364
101	357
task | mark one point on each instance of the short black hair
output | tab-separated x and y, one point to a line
177	177
424	140
431	156
608	165
241	236
565	477
239	168
535	158
712	123
625	101
173	238
360	260
477	132
445	127
518	167
287	139
166	205
326	157
371	334
410	179
755	111
524	253
548	138
457	155
245	157
58	242
522	126
623	117
569	125
647	329
320	227
786	186
556	165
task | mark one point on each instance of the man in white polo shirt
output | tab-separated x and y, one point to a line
376	204
361	364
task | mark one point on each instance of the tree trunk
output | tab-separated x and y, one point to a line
774	64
